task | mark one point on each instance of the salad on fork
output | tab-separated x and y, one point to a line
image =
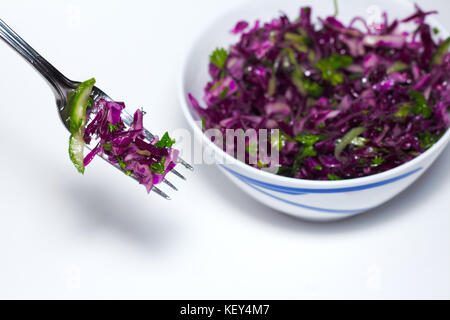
104	126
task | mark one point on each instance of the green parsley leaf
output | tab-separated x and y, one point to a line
309	152
313	89
318	167
334	177
279	141
290	36
307	138
285	171
224	92
428	139
403	111
159	167
421	106
107	146
112	127
330	66
377	161
165	142
121	163
219	57
204	123
252	148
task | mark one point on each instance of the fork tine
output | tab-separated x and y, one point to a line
159	192
179	175
170	184
154	189
185	164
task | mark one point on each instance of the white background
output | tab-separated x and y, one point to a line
63	235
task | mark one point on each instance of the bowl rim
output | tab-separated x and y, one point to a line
188	114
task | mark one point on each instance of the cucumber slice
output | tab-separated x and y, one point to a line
78	102
441	51
76	148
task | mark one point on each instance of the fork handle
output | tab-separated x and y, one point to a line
57	81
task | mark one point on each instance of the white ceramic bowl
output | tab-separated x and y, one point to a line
312	200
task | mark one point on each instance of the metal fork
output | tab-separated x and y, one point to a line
62	86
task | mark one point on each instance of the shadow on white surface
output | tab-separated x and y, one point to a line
88	207
100	210
429	183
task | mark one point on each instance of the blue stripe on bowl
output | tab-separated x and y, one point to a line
299	191
340	211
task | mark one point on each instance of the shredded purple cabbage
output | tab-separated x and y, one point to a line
348	103
126	146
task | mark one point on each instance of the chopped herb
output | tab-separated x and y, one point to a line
435	30
307	139
260	164
377	161
309	152
165	142
121	163
403	111
252	148
285	171
313	88
428	139
421	106
107	146
330	66
203	123
333	177
219	57
278	140
224	92
289	36
112	127
318	167
159	167
128	172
